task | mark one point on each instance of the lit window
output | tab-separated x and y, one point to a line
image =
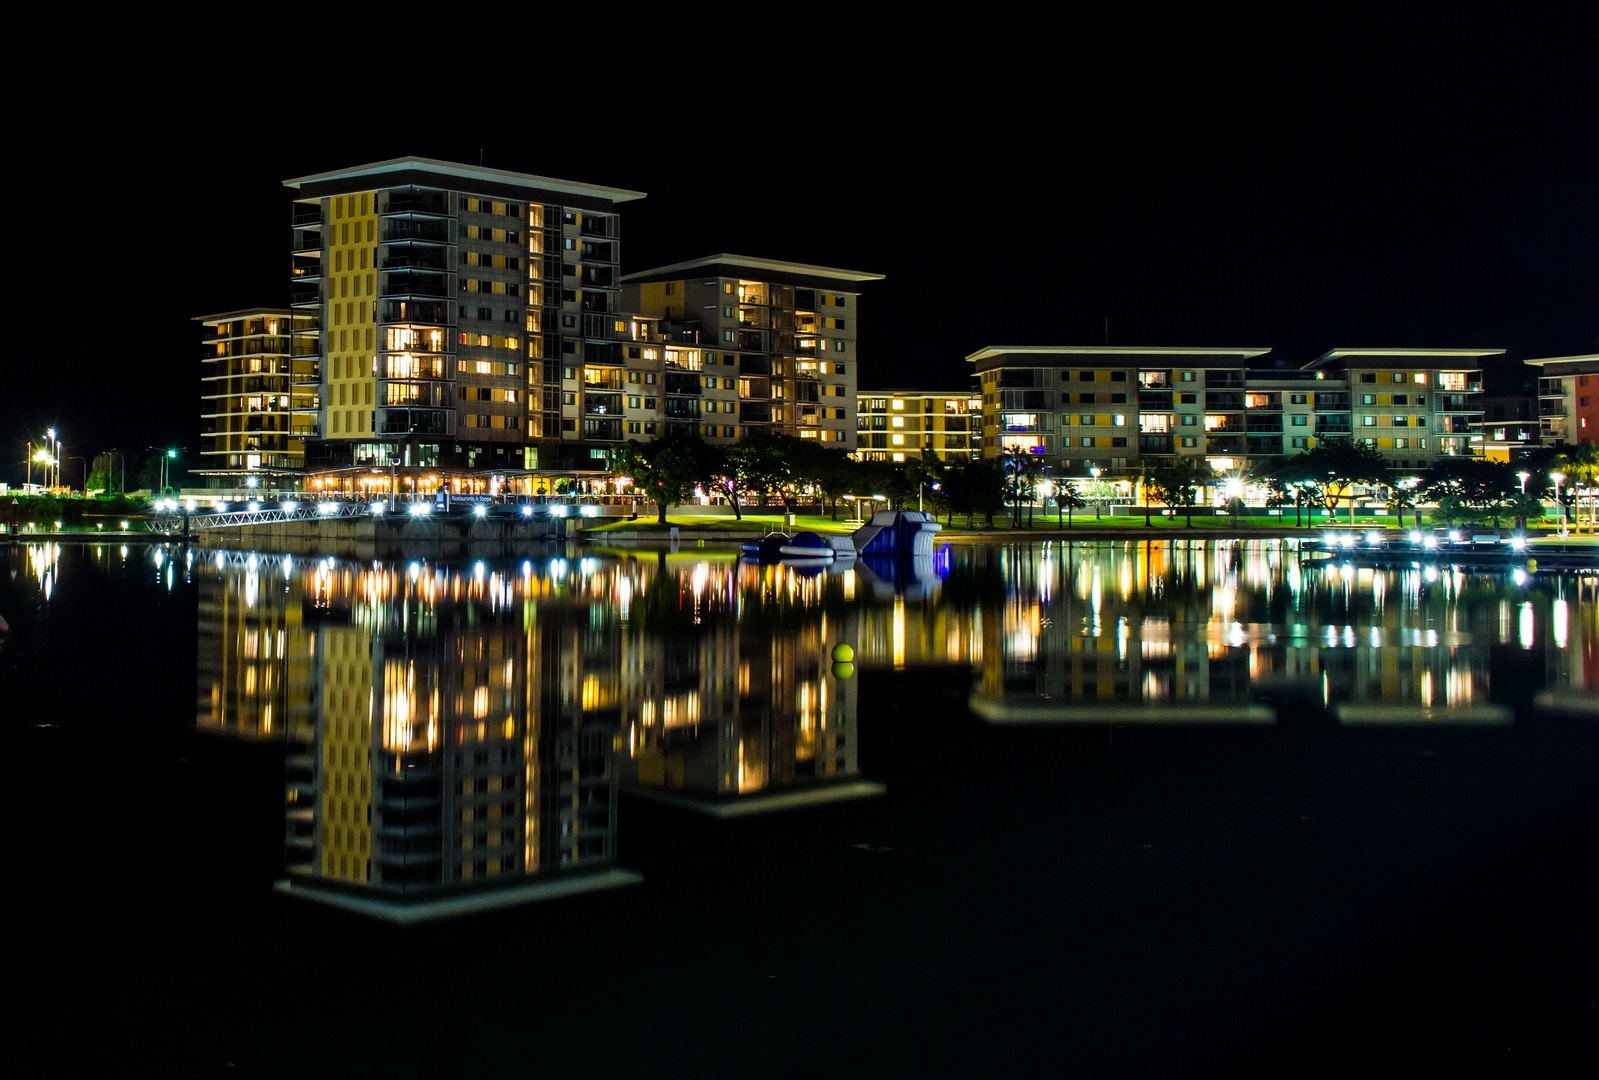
897	403
898	440
898	421
1119	420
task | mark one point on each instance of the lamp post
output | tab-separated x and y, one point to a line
55	457
1557	477
1093	471
1522	476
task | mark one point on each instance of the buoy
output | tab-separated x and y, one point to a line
1532	566
843	671
843	654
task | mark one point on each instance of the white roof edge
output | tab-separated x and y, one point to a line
756	263
1112	350
1334	354
1558	359
471	172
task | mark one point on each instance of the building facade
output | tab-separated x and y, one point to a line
442	302
259	393
742	345
1116	408
900	425
1568	398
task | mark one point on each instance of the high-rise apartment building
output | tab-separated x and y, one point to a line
901	425
259	393
1113	408
741	345
1568	398
442	302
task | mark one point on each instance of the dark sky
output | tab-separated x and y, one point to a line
1256	183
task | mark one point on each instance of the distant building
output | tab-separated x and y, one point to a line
1115	408
900	425
1509	427
1568	398
259	394
743	345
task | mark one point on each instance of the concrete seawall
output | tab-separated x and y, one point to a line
369	537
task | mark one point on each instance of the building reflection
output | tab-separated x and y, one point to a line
465	730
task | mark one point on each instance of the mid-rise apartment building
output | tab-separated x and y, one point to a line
741	345
259	393
900	425
1568	398
443	301
1113	408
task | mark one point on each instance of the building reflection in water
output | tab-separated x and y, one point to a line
457	735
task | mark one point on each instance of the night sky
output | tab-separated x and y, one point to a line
1246	184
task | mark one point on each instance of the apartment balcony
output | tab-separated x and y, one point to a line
433	312
307	241
1332	403
1456	403
599	252
1154	400
1266	445
305	294
415	283
1224	400
306	216
1155	444
395	421
1224	379
1224	444
599	226
305	268
415	257
1263	424
1332	425
415	231
597	404
1552	408
1224	425
429	203
605	430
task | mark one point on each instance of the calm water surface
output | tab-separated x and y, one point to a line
1116	808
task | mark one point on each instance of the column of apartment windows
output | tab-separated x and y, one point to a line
307	285
249	382
417	335
491	320
349	316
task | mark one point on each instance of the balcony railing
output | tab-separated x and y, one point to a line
305	216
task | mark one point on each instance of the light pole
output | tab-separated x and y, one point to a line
1522	476
1557	477
1093	471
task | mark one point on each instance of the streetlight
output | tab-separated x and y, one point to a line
1557	477
1522	476
1093	471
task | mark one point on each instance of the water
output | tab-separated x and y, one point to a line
1124	808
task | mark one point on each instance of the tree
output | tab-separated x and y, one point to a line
1332	468
1400	496
1021	477
1580	463
1467	488
1066	496
1177	485
663	472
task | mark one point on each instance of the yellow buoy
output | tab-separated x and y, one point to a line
843	654
1532	566
843	671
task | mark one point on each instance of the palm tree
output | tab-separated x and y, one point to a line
1580	463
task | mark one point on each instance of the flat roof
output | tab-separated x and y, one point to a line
1578	359
1412	354
245	313
968	392
713	265
394	169
990	351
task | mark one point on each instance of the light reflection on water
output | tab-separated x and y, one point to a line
452	725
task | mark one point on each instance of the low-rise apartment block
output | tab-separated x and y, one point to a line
1568	398
740	345
260	390
900	425
1115	408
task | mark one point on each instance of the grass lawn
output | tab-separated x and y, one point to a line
704	523
1206	523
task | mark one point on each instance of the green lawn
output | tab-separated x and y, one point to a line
705	523
1207	523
